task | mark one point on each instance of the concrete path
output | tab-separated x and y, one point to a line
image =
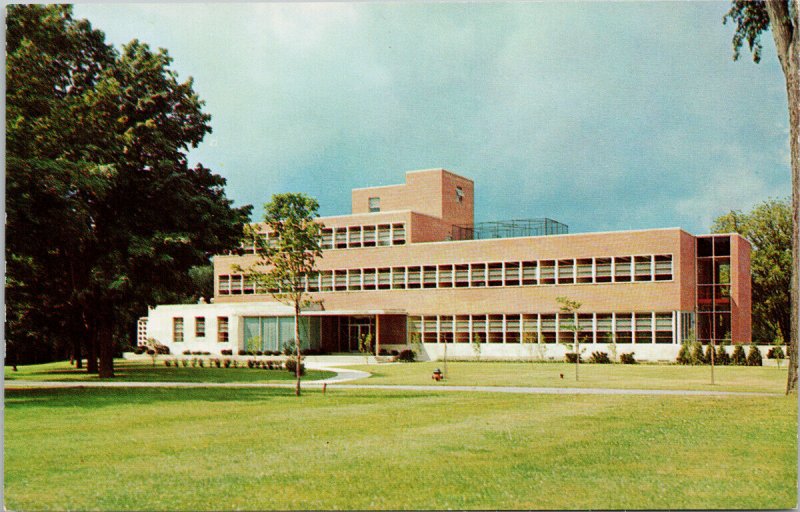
29	384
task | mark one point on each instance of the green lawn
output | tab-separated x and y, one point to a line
140	371
224	449
641	376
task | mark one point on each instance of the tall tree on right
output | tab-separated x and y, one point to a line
782	17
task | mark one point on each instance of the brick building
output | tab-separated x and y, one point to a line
409	264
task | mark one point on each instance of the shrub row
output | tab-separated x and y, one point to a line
693	354
601	358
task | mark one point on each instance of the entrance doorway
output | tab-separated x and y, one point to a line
359	327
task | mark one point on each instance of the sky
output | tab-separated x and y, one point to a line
604	116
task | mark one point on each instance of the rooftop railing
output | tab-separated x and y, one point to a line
509	229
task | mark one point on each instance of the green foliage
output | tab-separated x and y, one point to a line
709	353
738	358
571	357
253	344
477	343
684	354
406	356
754	356
751	19
416	344
599	358
776	352
697	356
627	358
569	308
768	227
96	154
722	357
291	366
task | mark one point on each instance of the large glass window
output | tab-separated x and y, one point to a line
270	333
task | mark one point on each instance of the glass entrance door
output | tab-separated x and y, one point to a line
359	327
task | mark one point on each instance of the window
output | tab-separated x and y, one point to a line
177	330
222	329
459	195
200	327
374	204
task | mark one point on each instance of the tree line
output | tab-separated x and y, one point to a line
105	216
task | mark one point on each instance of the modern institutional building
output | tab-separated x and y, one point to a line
410	265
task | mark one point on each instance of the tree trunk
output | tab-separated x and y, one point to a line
787	43
713	355
91	352
76	352
297	347
105	343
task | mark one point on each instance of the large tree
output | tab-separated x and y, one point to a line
287	258
768	227
105	216
782	17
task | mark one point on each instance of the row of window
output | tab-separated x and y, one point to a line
350	237
200	328
619	269
643	327
377	235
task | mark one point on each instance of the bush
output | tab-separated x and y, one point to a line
288	348
754	356
250	363
226	352
776	353
738	357
217	363
697	356
139	350
707	355
394	353
185	362
599	358
291	365
167	362
570	357
407	356
226	363
187	352
259	353
684	354
151	352
627	358
383	352
242	352
721	357
200	363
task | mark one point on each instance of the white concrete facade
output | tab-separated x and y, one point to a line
160	323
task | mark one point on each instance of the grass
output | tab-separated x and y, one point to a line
639	376
224	449
141	371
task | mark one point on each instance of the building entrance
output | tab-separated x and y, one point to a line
359	327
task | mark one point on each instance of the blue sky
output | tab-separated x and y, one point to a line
604	116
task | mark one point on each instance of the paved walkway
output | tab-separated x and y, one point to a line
30	384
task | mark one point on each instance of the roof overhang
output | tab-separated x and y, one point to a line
355	312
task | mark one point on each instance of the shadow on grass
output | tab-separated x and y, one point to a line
94	398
